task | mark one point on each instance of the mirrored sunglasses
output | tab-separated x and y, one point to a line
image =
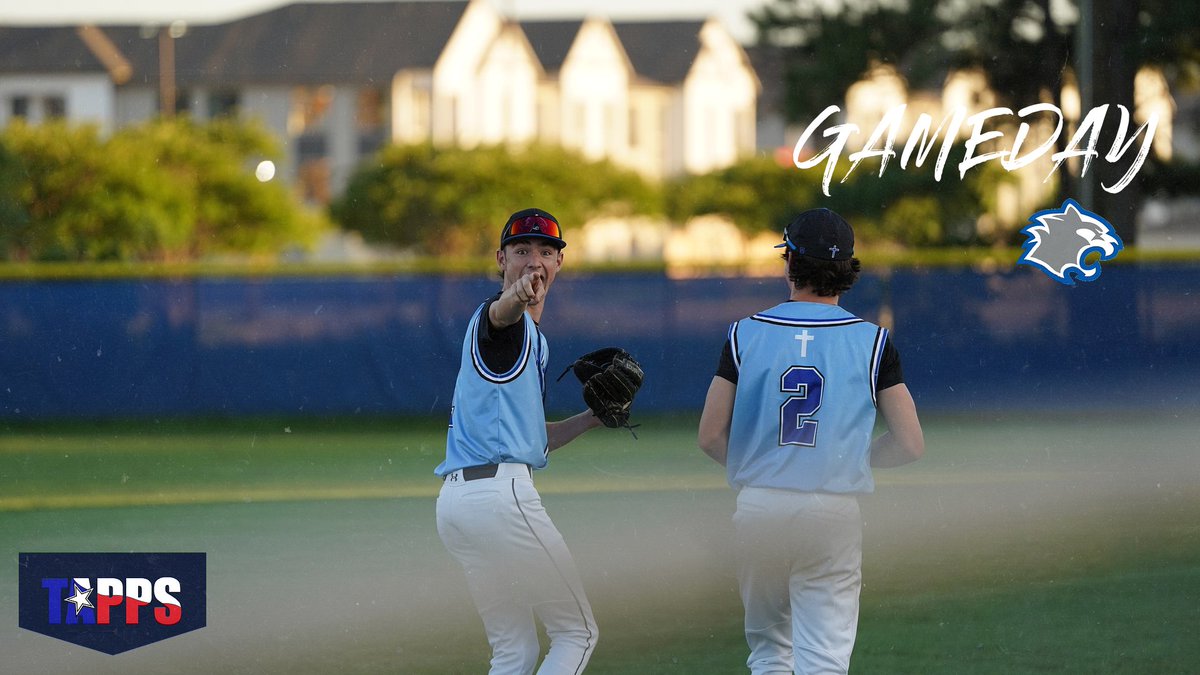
533	225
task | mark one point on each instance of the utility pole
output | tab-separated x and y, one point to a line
166	73
167	90
1085	71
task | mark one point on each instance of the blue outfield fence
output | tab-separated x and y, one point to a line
367	345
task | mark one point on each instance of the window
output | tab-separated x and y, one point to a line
609	134
370	142
545	128
506	117
371	110
579	122
371	118
311	146
54	107
314	183
421	113
20	107
309	108
223	103
745	131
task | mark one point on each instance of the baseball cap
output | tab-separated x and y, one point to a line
821	234
532	224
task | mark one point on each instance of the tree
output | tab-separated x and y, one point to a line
1167	35
87	200
757	194
1025	48
14	221
827	48
908	208
163	190
233	212
1130	34
450	201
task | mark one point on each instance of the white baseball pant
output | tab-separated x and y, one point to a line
517	566
800	572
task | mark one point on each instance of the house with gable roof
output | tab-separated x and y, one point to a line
49	72
695	81
660	97
333	81
550	42
336	81
585	93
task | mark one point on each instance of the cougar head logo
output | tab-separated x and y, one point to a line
1060	239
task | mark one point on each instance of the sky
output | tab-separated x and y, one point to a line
730	12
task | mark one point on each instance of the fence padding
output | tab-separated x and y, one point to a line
390	345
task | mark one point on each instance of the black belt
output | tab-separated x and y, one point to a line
482	471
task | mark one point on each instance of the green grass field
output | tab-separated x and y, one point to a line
1018	545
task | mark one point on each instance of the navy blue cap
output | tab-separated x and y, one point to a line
821	234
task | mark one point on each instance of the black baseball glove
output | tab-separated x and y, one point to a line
611	378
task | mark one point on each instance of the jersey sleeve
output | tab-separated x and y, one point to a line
890	371
500	347
726	368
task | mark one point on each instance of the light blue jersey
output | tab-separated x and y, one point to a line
498	417
805	406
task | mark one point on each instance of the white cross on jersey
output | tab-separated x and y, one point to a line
804	337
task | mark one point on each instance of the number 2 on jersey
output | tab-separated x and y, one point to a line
795	426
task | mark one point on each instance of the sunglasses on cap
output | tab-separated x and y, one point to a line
532	226
786	241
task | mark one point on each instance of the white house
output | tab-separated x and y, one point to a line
59	72
693	100
660	97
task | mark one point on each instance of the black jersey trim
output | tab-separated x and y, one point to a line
477	358
733	346
877	358
805	323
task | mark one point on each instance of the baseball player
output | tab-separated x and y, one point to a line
489	515
790	414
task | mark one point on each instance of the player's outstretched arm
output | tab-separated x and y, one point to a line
713	436
904	441
562	432
514	300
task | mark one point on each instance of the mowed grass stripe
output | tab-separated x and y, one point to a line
131	464
204	496
263	494
549	485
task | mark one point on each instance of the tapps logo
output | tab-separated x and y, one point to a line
112	602
1060	240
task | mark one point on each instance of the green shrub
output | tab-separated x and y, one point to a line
452	202
162	190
